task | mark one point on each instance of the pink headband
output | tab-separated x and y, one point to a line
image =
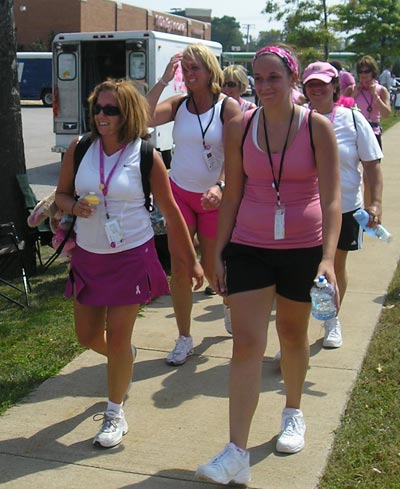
286	57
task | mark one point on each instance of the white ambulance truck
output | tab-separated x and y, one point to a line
82	60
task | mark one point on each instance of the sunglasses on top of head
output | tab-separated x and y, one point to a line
230	84
110	110
364	71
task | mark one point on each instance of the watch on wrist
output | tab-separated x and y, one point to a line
221	184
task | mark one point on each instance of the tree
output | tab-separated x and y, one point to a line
305	24
12	158
373	25
226	30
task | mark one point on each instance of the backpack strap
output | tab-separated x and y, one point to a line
146	164
249	115
81	149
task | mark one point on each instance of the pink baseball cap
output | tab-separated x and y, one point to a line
345	79
319	71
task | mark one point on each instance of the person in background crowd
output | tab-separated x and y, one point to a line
235	84
373	100
371	97
385	78
356	142
197	169
114	266
278	228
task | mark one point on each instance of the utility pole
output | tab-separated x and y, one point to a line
247	27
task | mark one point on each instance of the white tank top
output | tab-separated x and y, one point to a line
125	200
188	167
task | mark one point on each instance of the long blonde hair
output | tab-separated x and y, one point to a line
210	61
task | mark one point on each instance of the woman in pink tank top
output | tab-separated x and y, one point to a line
278	229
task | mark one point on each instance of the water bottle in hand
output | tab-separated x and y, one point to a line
362	217
323	300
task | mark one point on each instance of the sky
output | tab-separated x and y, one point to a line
246	13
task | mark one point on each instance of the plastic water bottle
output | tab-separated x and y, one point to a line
323	300
362	217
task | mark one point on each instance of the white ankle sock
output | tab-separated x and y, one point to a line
112	406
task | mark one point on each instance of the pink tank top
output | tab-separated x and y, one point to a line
298	190
364	100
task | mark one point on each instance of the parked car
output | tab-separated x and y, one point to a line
250	90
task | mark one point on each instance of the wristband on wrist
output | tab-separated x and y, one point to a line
163	82
220	184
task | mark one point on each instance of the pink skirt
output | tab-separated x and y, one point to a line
133	276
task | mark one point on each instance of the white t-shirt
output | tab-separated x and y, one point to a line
354	145
125	200
188	166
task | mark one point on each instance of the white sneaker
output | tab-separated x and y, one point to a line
182	350
291	437
227	319
229	466
112	430
333	334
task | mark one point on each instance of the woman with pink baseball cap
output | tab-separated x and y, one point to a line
356	143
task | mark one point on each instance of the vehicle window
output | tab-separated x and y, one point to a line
66	66
137	66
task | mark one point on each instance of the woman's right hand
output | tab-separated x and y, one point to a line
219	281
172	66
83	209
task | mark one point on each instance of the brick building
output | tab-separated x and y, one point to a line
38	21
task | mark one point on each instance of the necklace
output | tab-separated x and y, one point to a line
369	103
277	183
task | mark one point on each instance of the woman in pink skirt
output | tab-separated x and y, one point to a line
114	267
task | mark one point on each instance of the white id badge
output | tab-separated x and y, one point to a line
114	233
279	228
209	158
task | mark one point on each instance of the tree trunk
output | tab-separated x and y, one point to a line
12	157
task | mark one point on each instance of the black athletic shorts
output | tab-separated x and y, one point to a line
292	271
351	233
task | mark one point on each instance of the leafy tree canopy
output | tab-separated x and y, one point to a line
226	30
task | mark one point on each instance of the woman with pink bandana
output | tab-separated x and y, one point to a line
278	228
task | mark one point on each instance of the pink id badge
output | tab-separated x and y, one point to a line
279	225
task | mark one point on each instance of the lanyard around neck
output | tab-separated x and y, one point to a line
104	183
203	131
277	182
369	103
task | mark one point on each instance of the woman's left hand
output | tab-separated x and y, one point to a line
211	199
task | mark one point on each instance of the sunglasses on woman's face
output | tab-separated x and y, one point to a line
364	71
111	110
230	84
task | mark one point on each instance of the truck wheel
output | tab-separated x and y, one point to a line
47	97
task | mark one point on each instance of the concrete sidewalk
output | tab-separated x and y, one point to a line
178	417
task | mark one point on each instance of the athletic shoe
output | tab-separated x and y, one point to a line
291	437
209	290
227	319
113	428
333	334
229	466
183	349
278	356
